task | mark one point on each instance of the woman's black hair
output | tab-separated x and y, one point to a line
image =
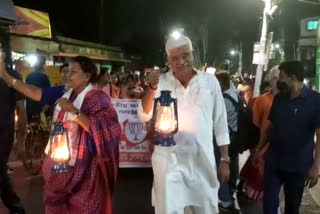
63	66
103	71
131	77
264	85
87	66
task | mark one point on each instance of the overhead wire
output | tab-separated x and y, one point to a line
309	2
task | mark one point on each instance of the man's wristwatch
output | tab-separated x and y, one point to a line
226	160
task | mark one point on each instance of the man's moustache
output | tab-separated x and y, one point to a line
184	65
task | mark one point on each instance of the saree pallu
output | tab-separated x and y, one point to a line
252	177
88	186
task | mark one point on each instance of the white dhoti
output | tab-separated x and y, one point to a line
195	210
183	185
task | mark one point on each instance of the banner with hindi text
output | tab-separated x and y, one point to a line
134	143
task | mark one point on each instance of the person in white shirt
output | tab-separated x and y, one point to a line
186	175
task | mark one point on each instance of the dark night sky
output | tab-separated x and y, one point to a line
140	26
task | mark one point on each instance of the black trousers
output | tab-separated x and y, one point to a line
293	184
8	196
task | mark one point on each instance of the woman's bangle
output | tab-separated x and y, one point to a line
77	113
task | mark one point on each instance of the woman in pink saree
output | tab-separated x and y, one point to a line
88	184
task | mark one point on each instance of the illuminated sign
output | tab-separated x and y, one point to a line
312	25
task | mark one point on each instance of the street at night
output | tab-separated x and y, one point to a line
160	107
132	195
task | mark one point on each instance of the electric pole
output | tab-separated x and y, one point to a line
267	15
263	42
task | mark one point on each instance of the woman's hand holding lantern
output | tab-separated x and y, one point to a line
67	106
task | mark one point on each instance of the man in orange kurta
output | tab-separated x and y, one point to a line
263	103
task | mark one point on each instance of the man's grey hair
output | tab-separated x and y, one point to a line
173	43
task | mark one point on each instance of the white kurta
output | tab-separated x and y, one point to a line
186	174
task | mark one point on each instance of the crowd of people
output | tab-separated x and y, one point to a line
218	120
122	86
284	156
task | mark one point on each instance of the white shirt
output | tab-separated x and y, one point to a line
186	174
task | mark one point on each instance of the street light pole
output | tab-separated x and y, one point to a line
240	58
263	44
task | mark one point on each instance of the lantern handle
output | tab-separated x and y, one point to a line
68	143
155	104
175	103
65	116
50	141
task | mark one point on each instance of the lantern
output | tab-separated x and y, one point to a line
59	148
165	119
16	119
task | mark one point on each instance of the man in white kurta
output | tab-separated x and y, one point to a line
186	175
